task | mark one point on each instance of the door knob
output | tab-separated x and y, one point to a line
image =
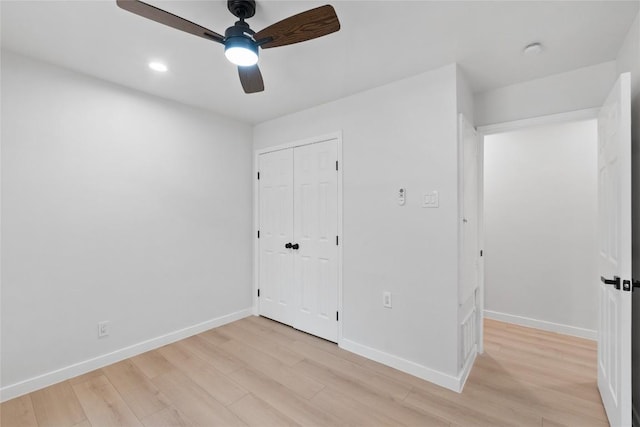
295	246
615	282
288	245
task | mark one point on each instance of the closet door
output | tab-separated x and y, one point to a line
315	219
276	230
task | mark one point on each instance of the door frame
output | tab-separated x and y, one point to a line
550	119
337	136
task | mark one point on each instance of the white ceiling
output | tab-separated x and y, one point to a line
380	42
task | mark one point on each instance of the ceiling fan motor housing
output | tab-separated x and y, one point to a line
240	35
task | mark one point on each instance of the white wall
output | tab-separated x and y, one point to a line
399	135
464	95
579	89
116	206
629	60
540	206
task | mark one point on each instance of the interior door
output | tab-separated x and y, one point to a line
315	233
276	231
470	251
614	230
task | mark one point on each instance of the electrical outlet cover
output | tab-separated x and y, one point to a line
103	329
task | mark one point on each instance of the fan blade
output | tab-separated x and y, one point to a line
151	12
304	26
251	79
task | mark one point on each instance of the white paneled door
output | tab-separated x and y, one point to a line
470	249
614	230
276	219
299	286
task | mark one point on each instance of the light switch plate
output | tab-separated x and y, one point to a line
431	200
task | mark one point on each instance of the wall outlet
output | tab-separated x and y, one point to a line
103	329
386	299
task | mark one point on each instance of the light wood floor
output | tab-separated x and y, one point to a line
259	372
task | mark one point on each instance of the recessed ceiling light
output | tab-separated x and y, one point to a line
532	49
158	66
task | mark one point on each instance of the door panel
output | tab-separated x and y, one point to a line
614	229
470	249
276	230
315	230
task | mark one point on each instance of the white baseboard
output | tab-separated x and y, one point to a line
32	384
439	378
542	324
635	417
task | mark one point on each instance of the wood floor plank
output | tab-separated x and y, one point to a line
284	400
372	398
210	351
525	345
152	364
256	412
563	408
167	417
574	395
383	384
452	411
214	382
18	412
541	375
245	332
300	384
57	406
351	411
583	366
214	336
135	388
103	405
546	422
194	402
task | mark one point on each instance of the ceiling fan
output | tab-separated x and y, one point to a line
241	43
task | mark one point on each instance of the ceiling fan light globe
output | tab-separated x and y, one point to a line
241	51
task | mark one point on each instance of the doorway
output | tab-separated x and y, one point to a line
540	226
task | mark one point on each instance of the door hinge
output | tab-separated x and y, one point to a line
258	234
258	293
336	165
337	241
481	252
336	316
258	175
